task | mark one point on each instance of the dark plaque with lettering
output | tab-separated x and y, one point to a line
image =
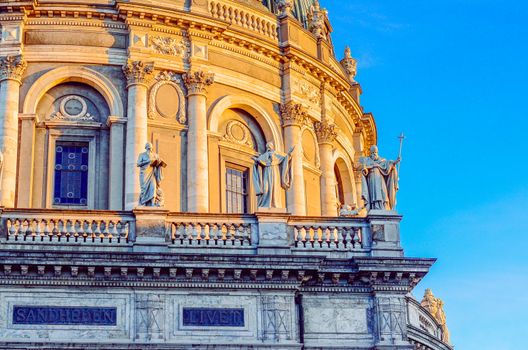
51	315
213	317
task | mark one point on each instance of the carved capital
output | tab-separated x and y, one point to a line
197	82
138	72
285	7
326	132
292	114
350	65
12	68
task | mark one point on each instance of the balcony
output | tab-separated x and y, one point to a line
158	230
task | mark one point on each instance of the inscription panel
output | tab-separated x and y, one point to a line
213	317
51	315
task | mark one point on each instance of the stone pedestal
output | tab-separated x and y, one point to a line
150	227
274	237
385	233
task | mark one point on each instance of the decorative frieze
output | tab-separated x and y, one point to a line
308	92
170	46
350	65
325	131
138	72
12	68
197	82
292	114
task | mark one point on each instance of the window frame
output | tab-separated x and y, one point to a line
66	136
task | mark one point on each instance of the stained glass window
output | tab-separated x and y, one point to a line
236	191
71	174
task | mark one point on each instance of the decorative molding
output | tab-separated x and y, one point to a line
167	78
197	82
12	68
65	113
308	92
138	72
238	133
292	114
165	45
325	131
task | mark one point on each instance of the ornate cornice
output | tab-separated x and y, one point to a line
12	68
138	72
293	114
197	82
325	131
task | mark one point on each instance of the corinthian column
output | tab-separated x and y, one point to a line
293	116
138	75
197	155
11	70
326	134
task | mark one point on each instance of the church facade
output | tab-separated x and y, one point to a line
195	174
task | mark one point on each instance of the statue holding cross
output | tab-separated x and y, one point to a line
379	180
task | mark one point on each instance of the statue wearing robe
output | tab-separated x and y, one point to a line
150	176
269	169
379	181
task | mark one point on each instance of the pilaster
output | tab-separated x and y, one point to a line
117	162
26	160
197	151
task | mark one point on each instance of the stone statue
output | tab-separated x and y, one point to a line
269	168
150	176
379	181
350	65
435	306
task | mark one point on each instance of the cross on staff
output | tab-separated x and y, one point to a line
401	137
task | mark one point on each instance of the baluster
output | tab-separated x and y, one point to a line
125	229
87	230
232	232
199	233
113	231
27	228
240	235
298	235
11	229
357	237
224	232
55	233
213	9
38	229
247	234
47	231
213	233
97	232
189	234
334	238
106	231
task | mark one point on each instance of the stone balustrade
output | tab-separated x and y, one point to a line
424	330
214	231
66	227
244	234
252	20
329	233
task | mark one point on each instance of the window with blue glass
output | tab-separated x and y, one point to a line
71	174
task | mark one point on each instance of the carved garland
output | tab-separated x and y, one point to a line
238	133
167	78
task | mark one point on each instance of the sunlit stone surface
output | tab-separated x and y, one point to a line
207	259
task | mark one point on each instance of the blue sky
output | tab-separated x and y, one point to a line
453	76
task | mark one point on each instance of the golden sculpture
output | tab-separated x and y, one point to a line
435	306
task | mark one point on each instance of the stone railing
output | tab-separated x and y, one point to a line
277	233
30	225
236	14
424	330
329	233
212	230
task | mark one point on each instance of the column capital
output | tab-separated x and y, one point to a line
12	68
197	82
138	72
292	114
326	132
